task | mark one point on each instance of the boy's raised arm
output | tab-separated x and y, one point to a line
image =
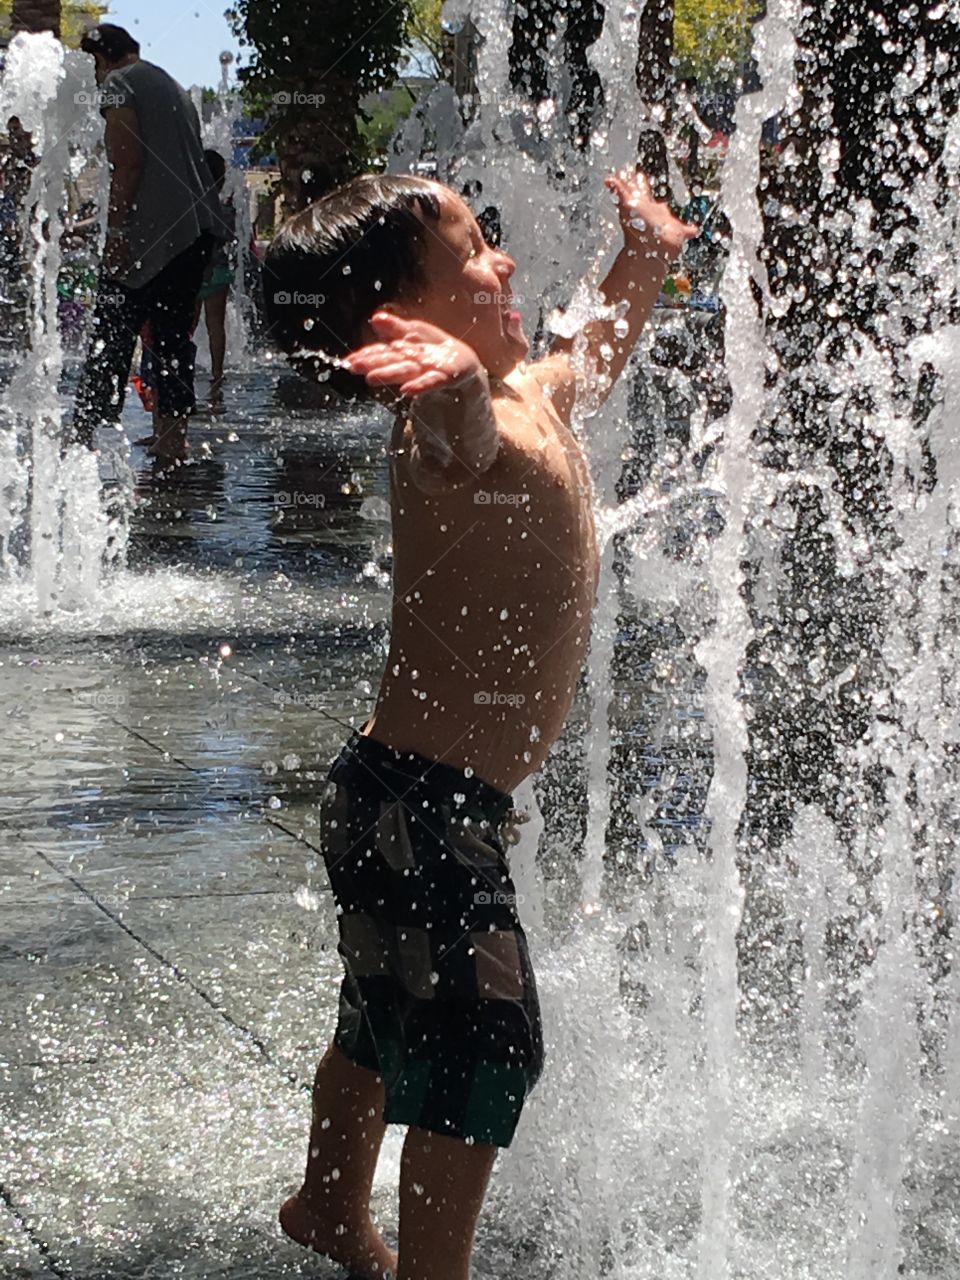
454	430
653	236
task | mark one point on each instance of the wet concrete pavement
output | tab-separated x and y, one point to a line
168	965
167	940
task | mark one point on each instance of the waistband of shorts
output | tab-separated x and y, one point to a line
404	770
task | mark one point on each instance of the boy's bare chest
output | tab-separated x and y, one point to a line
546	463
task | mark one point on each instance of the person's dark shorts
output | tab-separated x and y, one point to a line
439	995
167	302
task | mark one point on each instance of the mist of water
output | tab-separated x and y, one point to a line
707	1125
55	534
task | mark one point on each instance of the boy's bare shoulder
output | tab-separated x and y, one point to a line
548	381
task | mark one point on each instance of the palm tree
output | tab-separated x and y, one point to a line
307	77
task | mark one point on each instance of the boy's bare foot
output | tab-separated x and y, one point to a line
361	1250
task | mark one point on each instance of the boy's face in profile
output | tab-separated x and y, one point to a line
466	289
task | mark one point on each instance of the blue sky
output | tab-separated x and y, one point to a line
185	37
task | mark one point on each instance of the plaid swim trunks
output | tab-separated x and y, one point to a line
439	996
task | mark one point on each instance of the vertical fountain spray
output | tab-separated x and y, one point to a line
219	135
654	1109
55	532
614	51
816	893
723	651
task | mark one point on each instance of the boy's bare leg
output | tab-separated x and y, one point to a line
442	1185
331	1211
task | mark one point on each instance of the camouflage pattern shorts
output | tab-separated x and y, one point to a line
439	995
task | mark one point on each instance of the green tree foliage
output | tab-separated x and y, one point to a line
381	119
74	17
307	72
712	38
423	26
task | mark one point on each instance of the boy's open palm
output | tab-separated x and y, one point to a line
646	220
413	356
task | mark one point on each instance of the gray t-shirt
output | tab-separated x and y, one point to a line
175	200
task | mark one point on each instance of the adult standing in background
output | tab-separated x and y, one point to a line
162	217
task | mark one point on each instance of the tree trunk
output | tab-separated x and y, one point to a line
317	141
36	15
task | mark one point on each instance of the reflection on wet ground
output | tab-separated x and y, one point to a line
167	941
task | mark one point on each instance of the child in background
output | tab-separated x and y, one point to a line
218	278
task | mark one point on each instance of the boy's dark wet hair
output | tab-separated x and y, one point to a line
332	265
110	40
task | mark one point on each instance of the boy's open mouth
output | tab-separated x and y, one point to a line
512	321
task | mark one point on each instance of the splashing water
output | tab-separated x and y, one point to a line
753	1044
63	514
705	1112
55	534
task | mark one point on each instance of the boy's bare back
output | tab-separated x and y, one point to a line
494	584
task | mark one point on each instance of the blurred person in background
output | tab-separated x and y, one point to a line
162	217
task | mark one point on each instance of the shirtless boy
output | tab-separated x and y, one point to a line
495	573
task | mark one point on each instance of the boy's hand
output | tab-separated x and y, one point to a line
645	221
454	436
652	237
413	356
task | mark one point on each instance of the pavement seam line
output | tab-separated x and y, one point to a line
238	1027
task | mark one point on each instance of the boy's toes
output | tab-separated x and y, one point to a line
361	1251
